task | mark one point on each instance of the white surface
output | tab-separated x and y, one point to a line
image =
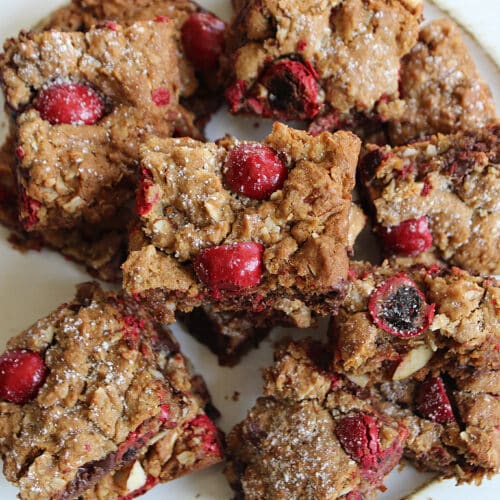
33	284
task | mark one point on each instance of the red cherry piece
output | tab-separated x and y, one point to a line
292	90
202	37
161	96
29	209
254	170
358	434
203	428
433	402
22	373
230	267
145	200
165	413
411	237
20	153
235	95
398	307
70	103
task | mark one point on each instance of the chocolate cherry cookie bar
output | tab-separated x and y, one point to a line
82	105
245	226
231	334
85	390
441	194
199	36
311	436
308	60
440	86
426	342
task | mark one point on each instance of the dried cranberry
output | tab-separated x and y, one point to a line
230	267
22	373
433	402
202	37
71	103
411	237
254	170
358	434
398	306
292	90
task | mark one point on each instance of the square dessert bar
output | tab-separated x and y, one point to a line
309	60
440	86
311	436
101	248
230	334
426	341
199	36
82	103
88	389
440	194
245	226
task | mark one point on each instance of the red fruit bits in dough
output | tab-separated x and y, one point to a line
230	267
254	170
202	37
399	307
433	402
22	373
411	237
70	103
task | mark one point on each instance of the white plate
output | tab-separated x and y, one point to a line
33	284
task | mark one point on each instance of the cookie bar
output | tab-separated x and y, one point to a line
195	445
441	195
83	105
245	226
101	248
305	60
453	419
398	322
84	390
310	436
441	87
425	342
231	334
199	36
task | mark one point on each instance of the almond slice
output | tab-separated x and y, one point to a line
137	477
417	358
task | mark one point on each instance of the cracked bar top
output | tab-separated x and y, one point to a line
104	391
440	194
83	103
301	59
311	436
245	226
441	87
400	322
